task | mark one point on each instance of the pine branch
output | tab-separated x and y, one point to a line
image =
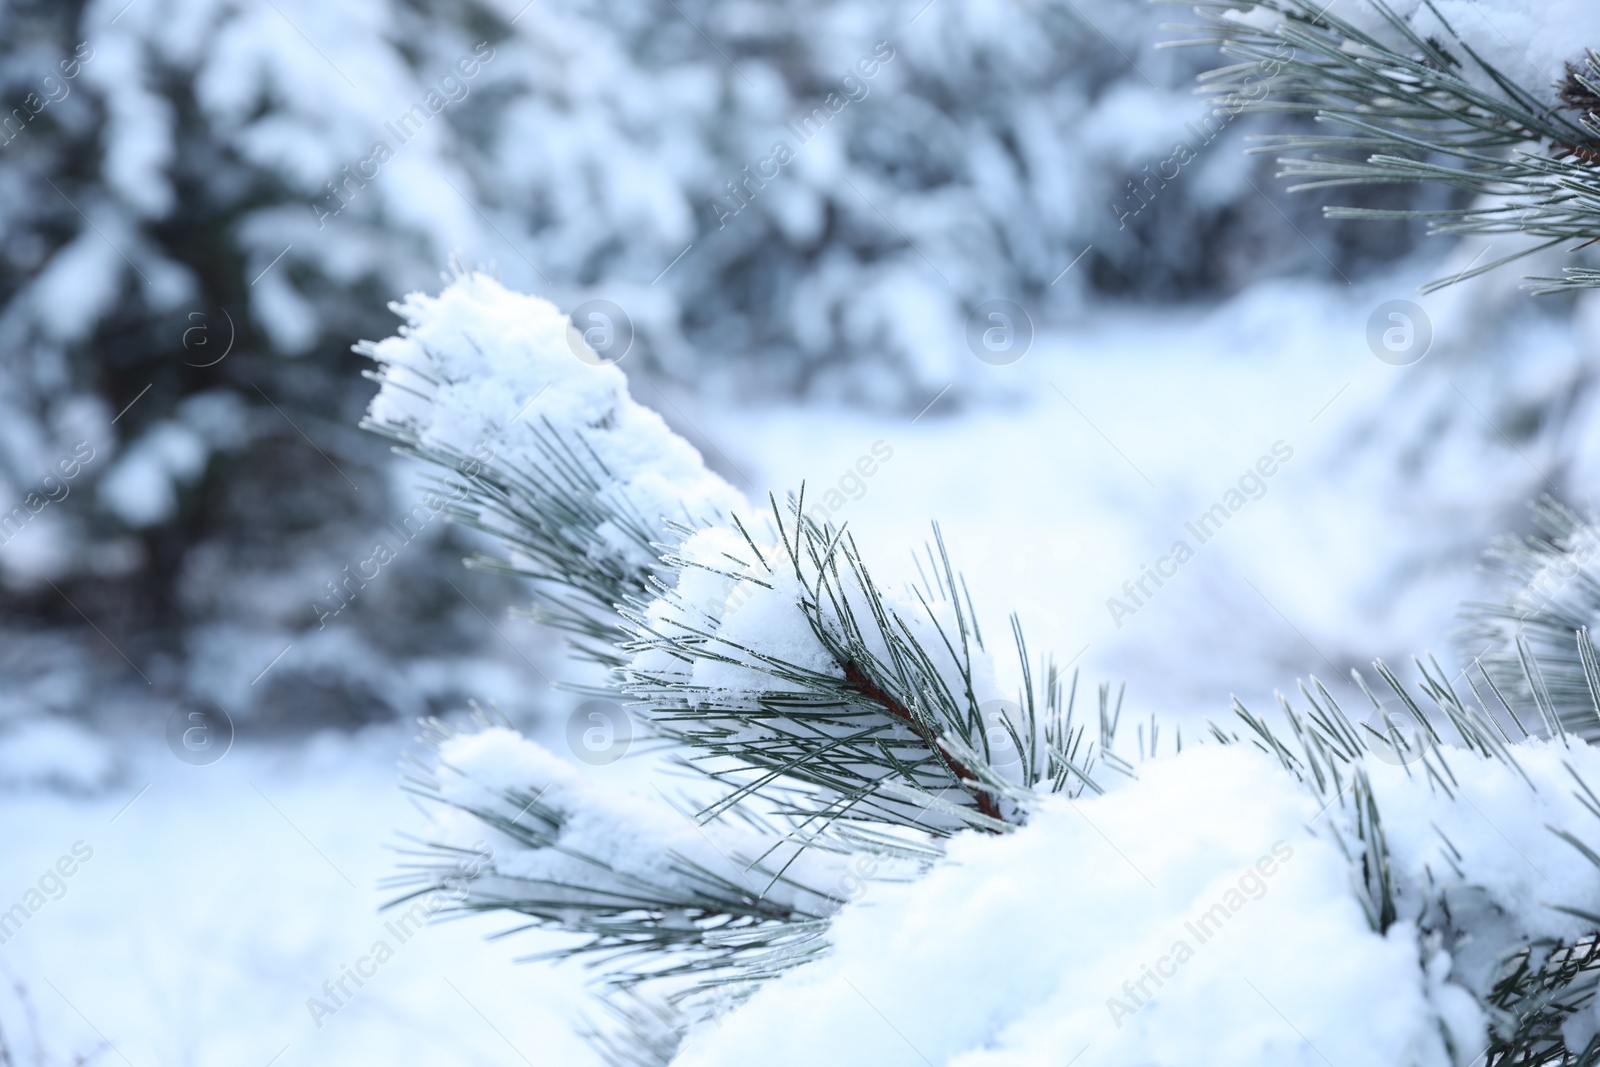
1528	640
1539	985
652	1031
550	518
887	692
697	904
848	730
1436	113
546	453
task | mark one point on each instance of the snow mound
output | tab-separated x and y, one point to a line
55	752
1203	915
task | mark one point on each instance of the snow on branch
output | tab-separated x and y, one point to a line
635	876
1497	98
810	675
847	729
1204	915
787	660
1534	641
575	478
1419	888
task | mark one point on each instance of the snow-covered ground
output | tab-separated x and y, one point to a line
219	899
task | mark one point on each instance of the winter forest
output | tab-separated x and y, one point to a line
942	533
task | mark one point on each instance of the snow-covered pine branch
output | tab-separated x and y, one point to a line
1500	100
850	701
634	875
547	453
1551	592
1319	889
1315	903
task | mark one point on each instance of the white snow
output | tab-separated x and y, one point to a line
142	485
79	281
756	610
495	365
1202	915
216	904
51	751
1530	41
637	837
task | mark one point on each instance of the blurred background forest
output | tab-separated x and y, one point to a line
183	278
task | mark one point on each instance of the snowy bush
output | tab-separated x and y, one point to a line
932	853
843	185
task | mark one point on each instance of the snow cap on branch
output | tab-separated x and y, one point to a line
481	371
1532	41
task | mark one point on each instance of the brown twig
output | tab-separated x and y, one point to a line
1575	93
987	804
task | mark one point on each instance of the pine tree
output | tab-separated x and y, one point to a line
829	733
